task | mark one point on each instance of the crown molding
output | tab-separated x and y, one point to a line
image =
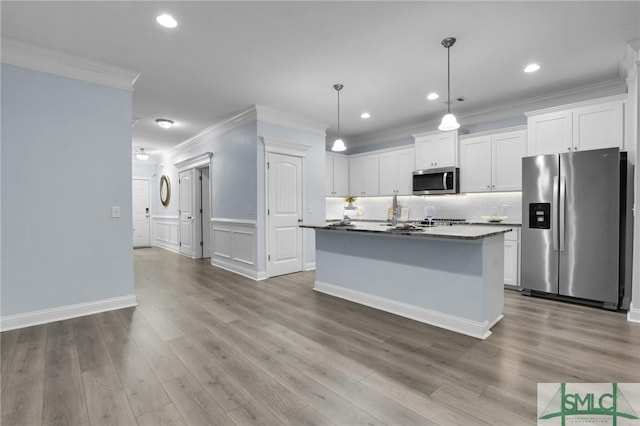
39	58
193	162
493	132
224	126
280	118
498	112
614	98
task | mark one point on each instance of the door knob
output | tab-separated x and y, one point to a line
299	220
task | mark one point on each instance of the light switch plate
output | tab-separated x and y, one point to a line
115	211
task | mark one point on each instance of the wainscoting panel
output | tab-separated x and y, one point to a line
165	232
234	246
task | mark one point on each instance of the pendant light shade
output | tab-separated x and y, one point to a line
338	144
141	155
449	121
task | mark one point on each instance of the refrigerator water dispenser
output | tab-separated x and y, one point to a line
540	215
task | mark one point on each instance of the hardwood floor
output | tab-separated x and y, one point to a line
206	346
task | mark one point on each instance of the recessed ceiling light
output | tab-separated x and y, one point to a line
365	115
532	68
167	21
433	96
164	123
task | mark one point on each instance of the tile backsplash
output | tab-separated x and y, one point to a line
463	206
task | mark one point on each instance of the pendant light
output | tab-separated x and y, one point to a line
449	121
338	144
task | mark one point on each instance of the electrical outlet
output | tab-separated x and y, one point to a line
309	208
115	212
505	208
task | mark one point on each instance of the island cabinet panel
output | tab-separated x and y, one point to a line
577	127
337	176
433	150
364	175
396	171
492	162
364	266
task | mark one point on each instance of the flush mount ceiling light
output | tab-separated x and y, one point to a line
167	21
449	121
141	155
365	115
532	68
433	96
164	123
338	144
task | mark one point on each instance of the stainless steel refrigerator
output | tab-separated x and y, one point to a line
573	227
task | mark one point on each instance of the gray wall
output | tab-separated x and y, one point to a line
66	159
233	174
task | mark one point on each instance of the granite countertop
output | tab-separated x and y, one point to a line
464	232
469	222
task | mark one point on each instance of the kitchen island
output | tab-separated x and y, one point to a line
446	276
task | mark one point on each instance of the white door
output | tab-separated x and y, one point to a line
186	212
550	133
284	211
141	233
206	214
445	149
340	176
425	153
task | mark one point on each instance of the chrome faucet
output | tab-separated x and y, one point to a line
394	213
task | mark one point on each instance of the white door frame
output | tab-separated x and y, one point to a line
199	161
293	149
148	179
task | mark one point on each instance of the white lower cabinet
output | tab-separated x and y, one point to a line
512	258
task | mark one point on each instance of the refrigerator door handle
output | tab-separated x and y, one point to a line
562	219
554	215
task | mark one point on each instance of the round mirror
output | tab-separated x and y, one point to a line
165	190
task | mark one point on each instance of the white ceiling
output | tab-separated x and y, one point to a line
225	56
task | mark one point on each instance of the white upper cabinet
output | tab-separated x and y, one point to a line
396	172
492	162
506	162
363	175
475	164
436	149
584	126
550	133
337	175
598	126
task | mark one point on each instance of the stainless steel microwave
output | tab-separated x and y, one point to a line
444	180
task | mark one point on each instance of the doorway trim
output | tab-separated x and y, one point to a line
197	163
294	149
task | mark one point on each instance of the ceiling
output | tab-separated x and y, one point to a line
226	56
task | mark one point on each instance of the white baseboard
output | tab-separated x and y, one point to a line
238	269
310	266
634	314
45	316
480	330
168	247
